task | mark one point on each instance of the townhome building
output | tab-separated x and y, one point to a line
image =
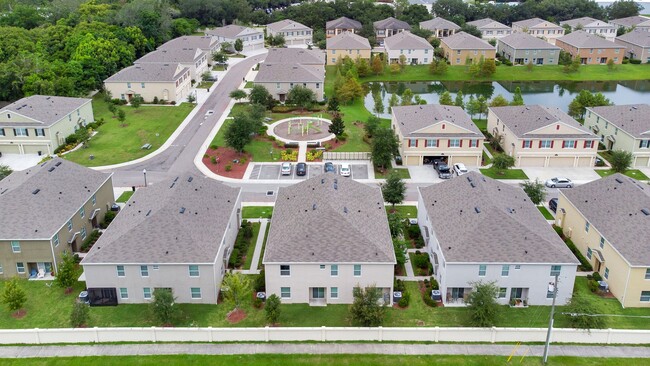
591	49
637	45
479	229
592	26
522	49
623	127
38	124
491	29
540	136
177	234
417	50
252	38
341	25
347	44
207	44
433	132
294	33
440	27
608	220
313	58
388	27
328	235
637	22
194	59
280	78
46	211
539	28
463	48
165	82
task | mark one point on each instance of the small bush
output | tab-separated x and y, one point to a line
626	61
214	146
419	242
507	62
413	231
584	263
108	218
228	167
597	277
213	159
257	303
434	284
260	282
426	297
593	286
399	285
234	260
635	61
155	100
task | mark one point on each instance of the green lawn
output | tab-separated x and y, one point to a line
257	212
405	211
219	68
251	248
115	144
486	159
481	124
355	116
266	236
507	174
260	148
125	196
546	213
249	84
403	173
205	84
318	360
633	173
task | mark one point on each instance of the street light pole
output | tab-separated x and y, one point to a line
144	171
550	322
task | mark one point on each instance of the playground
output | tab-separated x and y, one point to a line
298	129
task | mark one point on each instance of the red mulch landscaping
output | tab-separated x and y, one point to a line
19	314
236	316
225	156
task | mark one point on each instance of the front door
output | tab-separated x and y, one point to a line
516	292
317	293
457	293
282	97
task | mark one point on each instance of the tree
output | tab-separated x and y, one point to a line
365	310
238	94
112	108
260	95
400	248
402	61
235	287
611	66
220	57
13	296
495	141
621	160
67	274
445	99
584	99
530	66
535	190
377	65
162	306
488	67
482	105
245	124
301	96
363	68
565	58
79	315
623	9
349	90
438	67
337	127
517	98
121	116
384	147
581	310
393	101
394	190
482	304
395	224
272	309
333	104
371	126
5	170
499	101
239	45
407	97
136	102
458	102
378	106
503	162
473	106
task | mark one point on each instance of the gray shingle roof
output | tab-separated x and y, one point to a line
527	42
533	23
295	56
488	24
632	118
438	23
310	223
585	22
148	72
276	73
347	41
582	39
508	229
180	55
61	194
614	210
286	25
44	109
410	119
343	23
523	121
229	31
636	37
630	22
406	40
466	41
152	229
200	42
391	23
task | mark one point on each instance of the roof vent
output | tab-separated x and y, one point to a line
148	212
182	210
645	211
57	164
175	179
322	181
469	179
172	186
313	207
345	209
51	169
473	185
190	179
478	210
36	191
336	187
619	180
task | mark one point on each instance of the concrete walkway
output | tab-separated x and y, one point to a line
258	247
320	349
302	152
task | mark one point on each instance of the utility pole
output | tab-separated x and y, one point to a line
550	322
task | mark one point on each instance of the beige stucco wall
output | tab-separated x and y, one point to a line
641	53
624	141
458	57
164	91
329	33
276	88
593	55
294	36
335	55
546	31
625	282
493	33
423	56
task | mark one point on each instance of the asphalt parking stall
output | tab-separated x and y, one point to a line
272	171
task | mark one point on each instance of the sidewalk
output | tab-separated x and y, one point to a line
319	348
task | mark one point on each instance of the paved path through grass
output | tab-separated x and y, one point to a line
320	348
258	248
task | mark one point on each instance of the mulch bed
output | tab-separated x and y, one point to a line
226	156
19	314
236	316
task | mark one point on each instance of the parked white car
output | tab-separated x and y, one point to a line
286	169
460	169
559	182
345	170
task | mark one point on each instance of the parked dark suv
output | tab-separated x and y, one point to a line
301	169
444	172
552	204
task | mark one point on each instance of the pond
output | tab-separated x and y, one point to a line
550	93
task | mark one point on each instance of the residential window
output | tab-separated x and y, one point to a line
142	85
194	270
473	143
124	293
333	52
413	142
527	144
357	270
482	269
285	270
82	212
334	270
120	271
502	292
20	267
144	271
645	296
555	270
569	144
602	243
505	270
40	132
55	240
83	233
1	269
587	225
644	144
128	85
2	132
70	225
589	253
517	266
431	143
606	273
196	292
94	200
277	85
15	246
454	142
322	266
647	274
285	292
20	132
155	267
317	85
334	292
146	292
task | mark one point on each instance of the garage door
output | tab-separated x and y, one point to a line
34	149
561	162
532	161
413	160
9	149
642	161
467	160
584	162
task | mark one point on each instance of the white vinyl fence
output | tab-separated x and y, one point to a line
335	155
322	334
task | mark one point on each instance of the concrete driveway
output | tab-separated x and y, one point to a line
20	161
578	175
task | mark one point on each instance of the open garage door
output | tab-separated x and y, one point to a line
531	161
561	161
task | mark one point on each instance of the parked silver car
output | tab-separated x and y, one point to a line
558	182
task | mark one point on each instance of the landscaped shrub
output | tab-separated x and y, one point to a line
234	260
247	229
626	61
419	242
584	263
597	277
405	300
421	260
635	61
257	303
260	282
399	285
155	100
593	285
90	240
108	218
228	167
434	284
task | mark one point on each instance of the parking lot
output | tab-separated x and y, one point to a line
272	171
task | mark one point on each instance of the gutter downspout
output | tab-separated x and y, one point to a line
627	282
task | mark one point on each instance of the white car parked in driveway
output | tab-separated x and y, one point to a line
345	170
558	182
460	169
286	169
